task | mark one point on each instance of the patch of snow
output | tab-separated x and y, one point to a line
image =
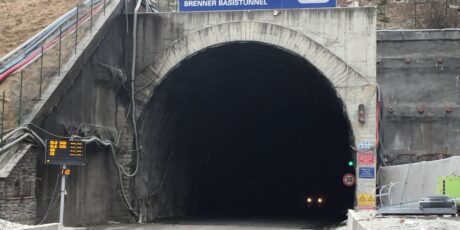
4	225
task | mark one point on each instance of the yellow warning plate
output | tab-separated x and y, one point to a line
366	201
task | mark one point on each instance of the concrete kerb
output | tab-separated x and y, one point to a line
369	219
51	226
353	221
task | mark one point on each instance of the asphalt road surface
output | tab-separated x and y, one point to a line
223	225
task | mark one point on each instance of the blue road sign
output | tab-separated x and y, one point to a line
218	5
366	172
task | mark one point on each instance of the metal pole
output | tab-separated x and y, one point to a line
61	209
3	114
104	7
20	99
60	47
91	20
41	75
76	32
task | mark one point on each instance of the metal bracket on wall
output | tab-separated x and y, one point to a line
440	63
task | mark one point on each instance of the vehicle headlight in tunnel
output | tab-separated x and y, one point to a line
320	200
309	200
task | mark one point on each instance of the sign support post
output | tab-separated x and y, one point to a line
61	210
64	152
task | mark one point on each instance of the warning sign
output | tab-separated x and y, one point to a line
366	201
348	179
365	158
364	145
366	172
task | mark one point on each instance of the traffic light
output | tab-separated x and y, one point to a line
351	163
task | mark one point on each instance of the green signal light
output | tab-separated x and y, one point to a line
350	163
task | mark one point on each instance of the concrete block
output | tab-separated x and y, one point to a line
353	222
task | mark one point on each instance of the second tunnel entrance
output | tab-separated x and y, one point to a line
244	130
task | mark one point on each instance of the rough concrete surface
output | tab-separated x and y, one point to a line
97	84
418	73
92	190
166	40
368	220
417	180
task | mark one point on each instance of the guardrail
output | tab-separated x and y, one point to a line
26	71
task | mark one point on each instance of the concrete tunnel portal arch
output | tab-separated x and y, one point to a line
246	127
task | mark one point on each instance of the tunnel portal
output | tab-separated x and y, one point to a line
244	129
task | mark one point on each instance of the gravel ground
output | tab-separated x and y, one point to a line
21	19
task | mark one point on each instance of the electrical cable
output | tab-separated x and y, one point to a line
29	51
381	134
126	16
54	40
379	126
150	6
80	127
143	87
123	126
49	133
7	143
120	168
64	137
51	202
16	141
133	99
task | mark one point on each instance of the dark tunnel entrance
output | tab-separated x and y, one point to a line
245	130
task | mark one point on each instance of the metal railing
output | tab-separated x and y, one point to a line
26	72
384	191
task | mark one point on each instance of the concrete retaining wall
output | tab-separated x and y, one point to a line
418	72
417	180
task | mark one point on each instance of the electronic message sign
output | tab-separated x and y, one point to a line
65	151
218	5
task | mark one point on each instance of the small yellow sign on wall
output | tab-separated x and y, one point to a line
366	201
